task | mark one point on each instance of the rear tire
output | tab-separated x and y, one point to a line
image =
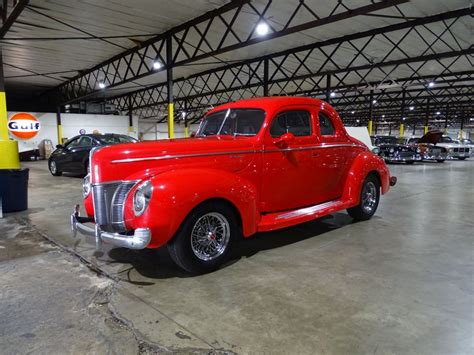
410	162
369	199
53	168
440	160
462	158
206	237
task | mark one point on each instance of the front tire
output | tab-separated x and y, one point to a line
206	237
410	162
440	160
462	158
369	199
53	168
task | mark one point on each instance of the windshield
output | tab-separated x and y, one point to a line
446	140
113	139
413	140
235	122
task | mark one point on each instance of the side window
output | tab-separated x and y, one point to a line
85	141
296	122
325	125
72	144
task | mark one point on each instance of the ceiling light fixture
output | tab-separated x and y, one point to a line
431	84
412	108
438	113
101	85
262	28
157	65
374	101
332	94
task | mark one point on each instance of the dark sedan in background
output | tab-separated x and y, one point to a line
73	157
392	151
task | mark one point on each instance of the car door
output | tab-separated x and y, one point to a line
289	177
80	153
63	155
336	153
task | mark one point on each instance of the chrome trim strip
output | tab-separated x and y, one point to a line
165	157
308	210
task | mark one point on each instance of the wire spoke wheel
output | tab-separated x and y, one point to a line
210	236
369	197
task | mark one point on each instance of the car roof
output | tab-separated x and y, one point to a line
270	102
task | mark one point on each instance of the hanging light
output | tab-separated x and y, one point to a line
157	65
431	84
374	101
412	108
262	28
352	112
101	85
332	94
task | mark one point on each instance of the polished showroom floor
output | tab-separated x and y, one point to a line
399	283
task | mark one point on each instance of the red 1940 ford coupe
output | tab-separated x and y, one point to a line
254	165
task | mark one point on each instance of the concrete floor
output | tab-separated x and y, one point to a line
399	283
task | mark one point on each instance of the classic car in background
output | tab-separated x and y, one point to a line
455	150
391	150
254	165
73	157
427	147
467	142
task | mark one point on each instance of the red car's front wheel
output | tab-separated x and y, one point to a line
205	238
369	199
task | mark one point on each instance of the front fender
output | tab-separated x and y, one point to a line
177	192
364	164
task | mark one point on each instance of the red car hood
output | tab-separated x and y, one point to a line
117	162
431	137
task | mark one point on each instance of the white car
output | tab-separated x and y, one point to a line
362	134
455	150
467	142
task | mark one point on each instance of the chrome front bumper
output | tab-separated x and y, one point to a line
139	240
403	158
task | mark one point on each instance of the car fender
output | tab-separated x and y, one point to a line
365	163
177	192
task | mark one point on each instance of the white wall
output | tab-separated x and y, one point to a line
71	125
154	131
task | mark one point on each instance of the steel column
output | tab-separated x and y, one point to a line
427	116
402	118
371	111
59	125
169	85
328	88
265	78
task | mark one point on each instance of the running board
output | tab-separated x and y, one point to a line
284	219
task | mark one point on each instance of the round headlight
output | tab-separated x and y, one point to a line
142	197
86	186
392	150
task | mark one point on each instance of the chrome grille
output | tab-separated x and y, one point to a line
109	201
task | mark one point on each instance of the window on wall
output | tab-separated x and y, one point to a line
296	122
325	125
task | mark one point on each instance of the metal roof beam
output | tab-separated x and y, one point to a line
190	43
8	19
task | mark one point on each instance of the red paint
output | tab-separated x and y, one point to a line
262	177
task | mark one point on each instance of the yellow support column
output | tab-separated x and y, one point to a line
9	157
60	134
170	120
426	129
370	127
186	133
402	130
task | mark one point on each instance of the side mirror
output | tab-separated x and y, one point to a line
285	140
59	146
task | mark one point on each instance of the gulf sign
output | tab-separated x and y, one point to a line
24	125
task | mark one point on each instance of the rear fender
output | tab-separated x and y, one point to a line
177	192
364	164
